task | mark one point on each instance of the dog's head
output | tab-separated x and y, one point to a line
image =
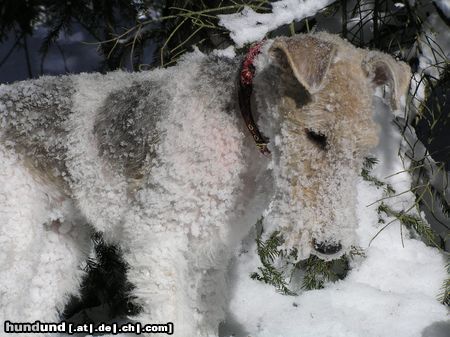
314	96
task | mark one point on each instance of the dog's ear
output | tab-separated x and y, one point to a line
383	69
307	56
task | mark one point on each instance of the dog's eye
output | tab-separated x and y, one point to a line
318	138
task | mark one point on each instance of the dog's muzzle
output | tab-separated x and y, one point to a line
327	247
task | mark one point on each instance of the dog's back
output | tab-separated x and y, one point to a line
92	132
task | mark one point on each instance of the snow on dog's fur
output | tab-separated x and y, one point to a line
161	162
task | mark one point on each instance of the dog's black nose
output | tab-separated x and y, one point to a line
327	247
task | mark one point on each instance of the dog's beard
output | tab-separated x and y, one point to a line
318	206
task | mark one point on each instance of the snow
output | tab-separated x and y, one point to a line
444	5
228	52
249	26
392	291
434	45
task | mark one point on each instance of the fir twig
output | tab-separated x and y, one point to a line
412	222
268	251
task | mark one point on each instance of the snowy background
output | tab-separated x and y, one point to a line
392	290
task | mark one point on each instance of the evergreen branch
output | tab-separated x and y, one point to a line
369	163
268	251
411	222
318	271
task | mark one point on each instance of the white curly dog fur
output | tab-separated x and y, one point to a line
161	163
